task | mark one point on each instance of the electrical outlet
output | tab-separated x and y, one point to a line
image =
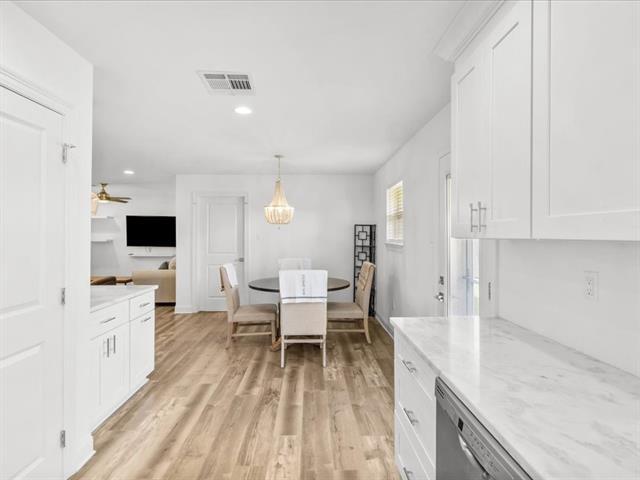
591	285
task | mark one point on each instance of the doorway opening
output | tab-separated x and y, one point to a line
463	267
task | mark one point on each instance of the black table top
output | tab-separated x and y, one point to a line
272	284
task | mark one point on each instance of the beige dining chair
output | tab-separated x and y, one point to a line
304	321
246	315
355	311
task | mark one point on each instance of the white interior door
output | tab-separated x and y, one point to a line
32	222
221	240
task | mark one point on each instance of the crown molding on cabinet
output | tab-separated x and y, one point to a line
469	20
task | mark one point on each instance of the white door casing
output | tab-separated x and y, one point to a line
32	246
220	240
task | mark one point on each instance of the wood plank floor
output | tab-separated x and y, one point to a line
211	413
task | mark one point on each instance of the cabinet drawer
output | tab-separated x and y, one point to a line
142	304
406	459
419	413
408	359
108	318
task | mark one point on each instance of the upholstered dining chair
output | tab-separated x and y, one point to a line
245	315
303	309
355	311
294	264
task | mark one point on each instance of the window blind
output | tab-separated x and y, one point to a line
395	213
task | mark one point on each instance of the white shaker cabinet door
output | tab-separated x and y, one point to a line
142	348
508	51
469	144
586	120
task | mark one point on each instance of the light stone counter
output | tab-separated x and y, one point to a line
105	295
559	413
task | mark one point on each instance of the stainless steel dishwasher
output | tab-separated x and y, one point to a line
465	450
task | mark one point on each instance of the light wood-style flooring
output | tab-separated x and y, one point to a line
211	413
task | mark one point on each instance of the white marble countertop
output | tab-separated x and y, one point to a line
106	295
559	413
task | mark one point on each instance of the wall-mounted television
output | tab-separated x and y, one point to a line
148	231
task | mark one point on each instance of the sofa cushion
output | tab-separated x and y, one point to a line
172	264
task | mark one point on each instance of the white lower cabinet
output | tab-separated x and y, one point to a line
415	413
122	354
111	353
143	356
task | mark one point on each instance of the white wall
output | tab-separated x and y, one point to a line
327	207
32	56
541	287
407	276
147	199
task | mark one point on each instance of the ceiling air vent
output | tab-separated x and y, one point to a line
227	83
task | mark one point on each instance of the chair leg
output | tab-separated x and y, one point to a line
282	349
324	351
365	324
273	331
229	334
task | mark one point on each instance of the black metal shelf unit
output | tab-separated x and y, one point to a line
364	250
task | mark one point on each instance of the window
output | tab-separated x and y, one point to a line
395	214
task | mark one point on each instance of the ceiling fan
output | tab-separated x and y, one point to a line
103	196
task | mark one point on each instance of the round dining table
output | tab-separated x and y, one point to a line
272	284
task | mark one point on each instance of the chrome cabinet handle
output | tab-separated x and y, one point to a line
439	297
108	320
480	224
145	320
409	366
114	344
108	347
411	417
407	473
144	304
471	210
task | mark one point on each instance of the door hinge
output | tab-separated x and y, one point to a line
65	151
63	296
63	438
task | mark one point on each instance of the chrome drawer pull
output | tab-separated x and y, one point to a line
107	320
410	416
407	473
114	344
409	366
144	304
145	319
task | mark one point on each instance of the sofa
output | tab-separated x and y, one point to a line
165	279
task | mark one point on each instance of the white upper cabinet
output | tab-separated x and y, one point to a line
508	61
546	121
469	102
586	135
491	130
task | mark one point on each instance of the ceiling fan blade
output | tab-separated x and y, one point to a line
117	200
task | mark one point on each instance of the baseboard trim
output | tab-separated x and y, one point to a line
383	325
183	309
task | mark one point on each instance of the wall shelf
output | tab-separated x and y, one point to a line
102	217
101	240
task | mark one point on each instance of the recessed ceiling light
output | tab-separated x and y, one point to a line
128	172
243	110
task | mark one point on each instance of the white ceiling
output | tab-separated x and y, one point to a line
340	86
